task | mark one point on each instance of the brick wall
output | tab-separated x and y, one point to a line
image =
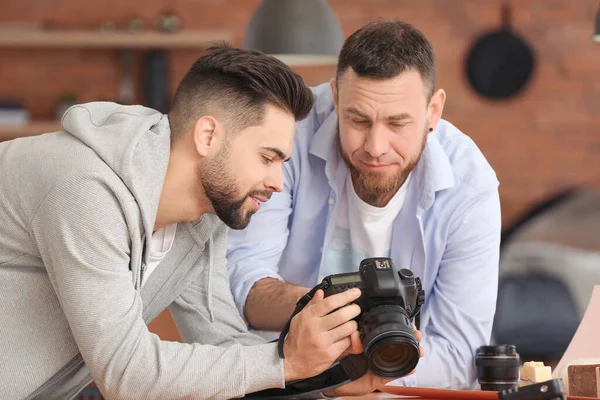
545	140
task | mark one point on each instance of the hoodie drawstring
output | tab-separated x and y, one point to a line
210	272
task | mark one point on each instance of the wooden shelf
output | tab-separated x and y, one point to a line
122	40
81	39
8	132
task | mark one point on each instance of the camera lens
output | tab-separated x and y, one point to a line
391	358
497	367
390	345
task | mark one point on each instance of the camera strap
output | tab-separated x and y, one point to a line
344	371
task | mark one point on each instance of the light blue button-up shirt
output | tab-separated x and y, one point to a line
447	233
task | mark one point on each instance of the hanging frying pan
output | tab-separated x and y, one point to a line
500	63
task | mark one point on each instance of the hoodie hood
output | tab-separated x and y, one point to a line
134	141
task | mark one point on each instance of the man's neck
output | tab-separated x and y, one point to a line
182	198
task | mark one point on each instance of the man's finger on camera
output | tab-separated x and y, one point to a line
356	346
340	316
323	307
343	331
338	348
418	334
419	337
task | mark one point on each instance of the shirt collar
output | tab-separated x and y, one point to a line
433	172
324	143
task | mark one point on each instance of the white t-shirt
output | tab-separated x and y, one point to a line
160	244
361	231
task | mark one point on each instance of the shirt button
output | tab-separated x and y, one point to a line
331	201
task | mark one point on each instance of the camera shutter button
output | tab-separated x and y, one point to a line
406	274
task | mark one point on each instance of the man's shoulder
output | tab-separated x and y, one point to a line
53	159
322	109
470	168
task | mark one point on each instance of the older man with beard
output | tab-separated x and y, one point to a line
376	172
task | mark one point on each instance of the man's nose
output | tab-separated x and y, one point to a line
274	180
377	143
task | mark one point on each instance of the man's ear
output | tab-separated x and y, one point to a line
334	91
204	135
435	109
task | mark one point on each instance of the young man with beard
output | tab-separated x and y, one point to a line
111	220
376	172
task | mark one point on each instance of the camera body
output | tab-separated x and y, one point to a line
389	301
380	285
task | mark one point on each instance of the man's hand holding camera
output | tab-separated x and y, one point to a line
319	335
384	301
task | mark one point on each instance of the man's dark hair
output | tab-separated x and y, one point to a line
384	49
236	85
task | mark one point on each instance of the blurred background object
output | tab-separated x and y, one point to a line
127	87
597	26
540	141
500	63
157	81
108	27
578	367
135	25
168	21
13	113
65	101
550	263
299	32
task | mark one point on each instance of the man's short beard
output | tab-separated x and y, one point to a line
371	186
220	188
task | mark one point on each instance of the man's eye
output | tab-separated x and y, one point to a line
360	121
397	125
267	160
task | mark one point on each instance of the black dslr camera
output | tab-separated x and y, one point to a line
389	300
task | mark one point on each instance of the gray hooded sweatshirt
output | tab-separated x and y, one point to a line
77	209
